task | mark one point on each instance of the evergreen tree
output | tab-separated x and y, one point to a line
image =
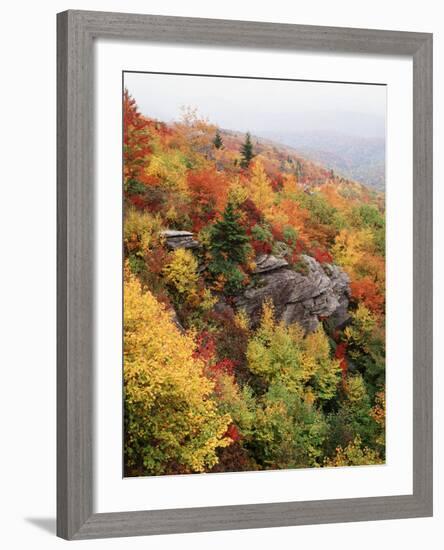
247	151
228	237
229	248
217	141
298	171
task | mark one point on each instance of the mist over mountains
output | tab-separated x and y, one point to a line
358	158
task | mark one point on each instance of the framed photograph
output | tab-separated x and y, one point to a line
244	275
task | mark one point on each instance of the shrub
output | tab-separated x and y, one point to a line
280	353
289	433
354	454
181	273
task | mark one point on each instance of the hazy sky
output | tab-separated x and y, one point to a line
262	106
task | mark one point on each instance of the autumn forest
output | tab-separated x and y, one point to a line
254	304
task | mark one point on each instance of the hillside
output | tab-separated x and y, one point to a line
254	304
356	158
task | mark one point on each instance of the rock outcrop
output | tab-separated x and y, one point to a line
267	262
179	239
321	291
316	291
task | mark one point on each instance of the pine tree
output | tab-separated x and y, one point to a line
298	171
228	237
247	151
217	141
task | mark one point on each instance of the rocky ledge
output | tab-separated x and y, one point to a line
268	262
321	291
179	239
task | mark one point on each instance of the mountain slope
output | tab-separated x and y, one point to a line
360	159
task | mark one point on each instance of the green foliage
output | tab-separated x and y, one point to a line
247	151
228	238
365	338
229	246
289	432
134	187
354	454
290	234
321	211
370	216
218	142
239	403
353	417
262	233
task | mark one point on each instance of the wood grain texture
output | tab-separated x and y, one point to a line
423	273
75	271
75	276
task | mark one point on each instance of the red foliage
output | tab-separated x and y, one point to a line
234	458
253	215
322	256
341	350
232	432
137	201
206	347
206	352
277	232
225	366
277	182
366	291
261	247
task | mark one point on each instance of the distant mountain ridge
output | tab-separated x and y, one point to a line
360	159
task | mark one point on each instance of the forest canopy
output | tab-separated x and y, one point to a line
254	304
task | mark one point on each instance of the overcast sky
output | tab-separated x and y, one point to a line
263	106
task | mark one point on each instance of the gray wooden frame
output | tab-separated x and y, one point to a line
76	32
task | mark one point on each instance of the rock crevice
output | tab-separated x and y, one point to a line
321	291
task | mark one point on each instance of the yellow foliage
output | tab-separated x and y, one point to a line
237	193
355	389
378	415
289	185
354	454
317	361
140	229
170	168
169	413
181	272
241	320
363	324
259	186
378	411
351	246
281	353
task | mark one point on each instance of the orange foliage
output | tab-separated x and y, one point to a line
366	290
136	139
209	191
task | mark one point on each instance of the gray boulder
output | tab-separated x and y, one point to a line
320	292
